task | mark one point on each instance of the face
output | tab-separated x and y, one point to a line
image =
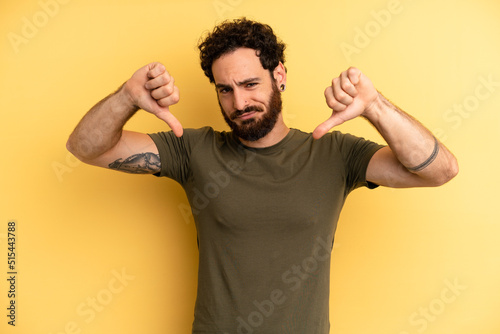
249	98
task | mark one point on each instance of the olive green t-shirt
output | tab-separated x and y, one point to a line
265	220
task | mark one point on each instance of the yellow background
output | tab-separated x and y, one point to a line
396	251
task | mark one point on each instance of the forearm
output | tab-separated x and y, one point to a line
101	128
413	145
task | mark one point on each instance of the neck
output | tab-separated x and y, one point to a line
276	135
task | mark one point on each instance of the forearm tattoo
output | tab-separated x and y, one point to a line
142	163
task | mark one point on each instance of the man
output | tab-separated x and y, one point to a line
266	198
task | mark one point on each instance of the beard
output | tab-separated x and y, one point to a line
254	129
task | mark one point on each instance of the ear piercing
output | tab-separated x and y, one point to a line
282	87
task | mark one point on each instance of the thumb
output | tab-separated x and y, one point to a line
326	126
174	124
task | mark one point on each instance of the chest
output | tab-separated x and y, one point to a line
252	193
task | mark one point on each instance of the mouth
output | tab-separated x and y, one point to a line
246	115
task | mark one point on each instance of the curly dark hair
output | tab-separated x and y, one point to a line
231	35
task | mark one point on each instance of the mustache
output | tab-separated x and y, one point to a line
238	113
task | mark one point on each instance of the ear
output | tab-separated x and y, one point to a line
279	74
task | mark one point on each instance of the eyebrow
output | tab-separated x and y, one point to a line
241	83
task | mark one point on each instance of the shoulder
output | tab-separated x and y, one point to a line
336	142
334	137
208	136
189	135
203	139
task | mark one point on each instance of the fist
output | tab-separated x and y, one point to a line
152	89
350	95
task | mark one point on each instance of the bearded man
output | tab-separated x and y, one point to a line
265	198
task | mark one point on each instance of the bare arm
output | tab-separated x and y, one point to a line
414	157
99	138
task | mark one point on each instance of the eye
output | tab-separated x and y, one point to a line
251	84
224	90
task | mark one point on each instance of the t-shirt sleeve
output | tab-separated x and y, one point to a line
356	153
175	152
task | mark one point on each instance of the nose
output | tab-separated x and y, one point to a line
239	100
